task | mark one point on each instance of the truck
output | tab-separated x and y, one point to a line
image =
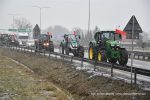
70	44
45	42
106	47
22	38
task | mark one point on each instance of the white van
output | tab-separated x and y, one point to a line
22	38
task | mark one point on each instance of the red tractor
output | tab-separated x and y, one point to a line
44	42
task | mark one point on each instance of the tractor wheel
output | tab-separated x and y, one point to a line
101	56
80	52
91	53
76	54
123	57
112	60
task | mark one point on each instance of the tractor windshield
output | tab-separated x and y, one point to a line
108	35
44	37
72	38
111	36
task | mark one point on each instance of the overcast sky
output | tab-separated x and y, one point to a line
106	14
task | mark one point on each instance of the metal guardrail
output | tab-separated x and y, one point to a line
137	54
136	71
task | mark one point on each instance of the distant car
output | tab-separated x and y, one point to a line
30	42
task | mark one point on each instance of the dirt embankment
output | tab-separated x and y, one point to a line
78	83
17	82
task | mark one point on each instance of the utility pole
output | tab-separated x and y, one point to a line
89	16
40	8
13	15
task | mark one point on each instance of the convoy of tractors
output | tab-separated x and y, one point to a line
105	46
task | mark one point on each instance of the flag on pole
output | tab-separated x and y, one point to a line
122	33
49	33
74	32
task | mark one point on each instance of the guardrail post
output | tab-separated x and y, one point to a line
71	59
35	50
112	65
135	76
24	50
18	48
44	52
129	55
148	57
95	65
82	62
49	54
63	57
39	51
143	57
56	55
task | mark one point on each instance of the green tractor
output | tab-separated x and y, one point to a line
71	44
105	47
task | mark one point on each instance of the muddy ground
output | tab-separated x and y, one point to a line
76	82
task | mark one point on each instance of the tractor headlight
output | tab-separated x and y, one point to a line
47	44
112	47
117	47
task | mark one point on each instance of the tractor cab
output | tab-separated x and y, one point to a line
71	37
113	37
107	35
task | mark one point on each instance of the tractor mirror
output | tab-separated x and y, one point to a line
120	37
79	37
65	36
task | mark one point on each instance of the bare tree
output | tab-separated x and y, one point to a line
22	23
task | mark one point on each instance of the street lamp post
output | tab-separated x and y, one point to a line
40	15
13	15
89	16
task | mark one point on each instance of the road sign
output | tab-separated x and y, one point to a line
19	30
14	30
133	29
24	30
129	26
